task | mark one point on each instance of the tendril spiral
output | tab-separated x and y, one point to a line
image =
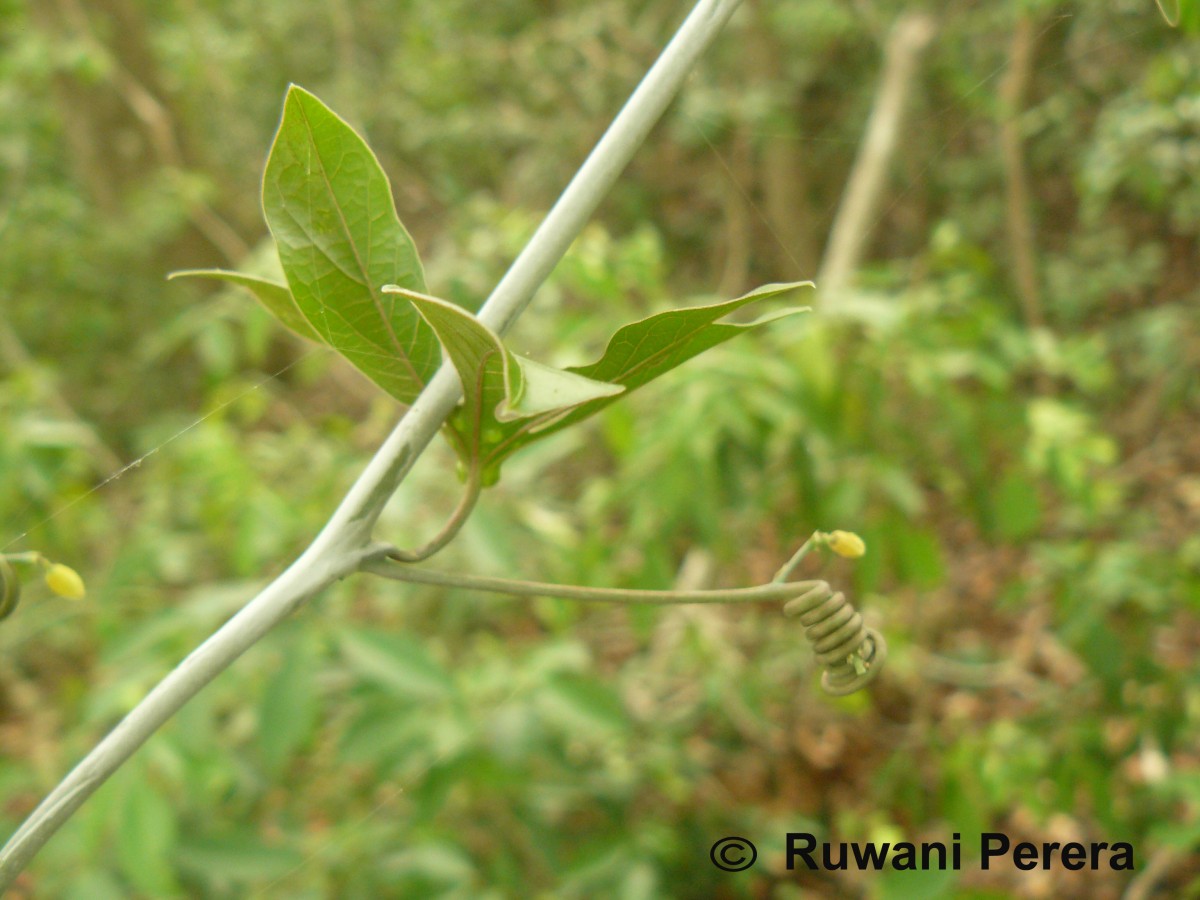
851	653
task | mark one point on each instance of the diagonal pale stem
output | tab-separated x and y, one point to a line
345	542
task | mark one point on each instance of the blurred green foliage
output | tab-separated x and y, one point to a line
1029	496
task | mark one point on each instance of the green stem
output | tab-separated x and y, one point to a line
851	654
773	591
30	557
452	527
790	566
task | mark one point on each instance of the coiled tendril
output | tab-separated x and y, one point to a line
851	653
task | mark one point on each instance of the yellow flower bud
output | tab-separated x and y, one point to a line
846	543
65	582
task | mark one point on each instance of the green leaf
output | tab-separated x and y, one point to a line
274	296
1189	16
637	354
290	707
918	556
1171	10
583	705
498	385
1017	507
146	839
398	664
236	859
329	206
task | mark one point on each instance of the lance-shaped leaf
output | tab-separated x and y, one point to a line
330	209
498	385
636	354
274	296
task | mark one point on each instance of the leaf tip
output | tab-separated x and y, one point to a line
792	285
298	98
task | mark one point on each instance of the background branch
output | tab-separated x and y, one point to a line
1019	220
911	33
161	135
